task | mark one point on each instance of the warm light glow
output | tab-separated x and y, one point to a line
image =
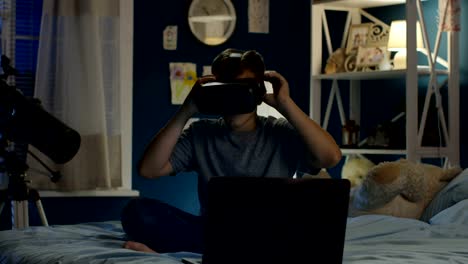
214	40
397	42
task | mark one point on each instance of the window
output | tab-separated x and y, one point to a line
20	27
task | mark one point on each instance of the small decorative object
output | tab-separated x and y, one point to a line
350	63
371	56
335	63
388	134
385	64
378	35
449	15
357	36
350	134
380	136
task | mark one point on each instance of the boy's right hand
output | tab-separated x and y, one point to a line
189	103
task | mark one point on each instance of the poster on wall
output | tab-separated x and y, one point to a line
183	76
259	16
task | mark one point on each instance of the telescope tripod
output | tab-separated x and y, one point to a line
20	194
18	191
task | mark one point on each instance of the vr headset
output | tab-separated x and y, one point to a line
232	98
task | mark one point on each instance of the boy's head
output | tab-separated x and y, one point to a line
232	64
236	67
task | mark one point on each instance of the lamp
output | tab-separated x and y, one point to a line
397	42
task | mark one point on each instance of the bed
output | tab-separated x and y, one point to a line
441	238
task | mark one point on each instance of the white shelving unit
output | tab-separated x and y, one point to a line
356	11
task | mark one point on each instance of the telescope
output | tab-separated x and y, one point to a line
24	121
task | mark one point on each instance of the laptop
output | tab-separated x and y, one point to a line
275	220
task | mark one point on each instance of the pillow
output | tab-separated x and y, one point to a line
455	191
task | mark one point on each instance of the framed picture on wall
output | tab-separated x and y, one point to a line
357	37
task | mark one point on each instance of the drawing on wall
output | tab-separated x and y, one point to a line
259	16
182	76
170	38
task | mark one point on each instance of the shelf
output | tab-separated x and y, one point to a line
210	19
416	116
424	152
357	3
373	75
91	193
347	151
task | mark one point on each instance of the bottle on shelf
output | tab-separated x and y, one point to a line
350	134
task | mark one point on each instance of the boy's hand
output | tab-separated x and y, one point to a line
189	104
280	90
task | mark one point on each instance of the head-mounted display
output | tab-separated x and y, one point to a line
229	98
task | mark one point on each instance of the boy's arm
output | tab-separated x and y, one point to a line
155	161
320	145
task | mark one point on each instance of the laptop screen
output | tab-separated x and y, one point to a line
275	220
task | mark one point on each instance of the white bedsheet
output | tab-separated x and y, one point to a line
369	239
383	239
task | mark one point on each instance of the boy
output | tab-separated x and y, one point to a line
233	145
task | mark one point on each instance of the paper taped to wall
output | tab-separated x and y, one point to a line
170	38
182	76
259	16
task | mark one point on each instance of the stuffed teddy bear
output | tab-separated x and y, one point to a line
400	188
355	169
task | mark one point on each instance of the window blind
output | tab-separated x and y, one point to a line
28	21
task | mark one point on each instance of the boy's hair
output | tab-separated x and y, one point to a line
232	62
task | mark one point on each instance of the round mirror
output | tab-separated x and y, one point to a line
212	21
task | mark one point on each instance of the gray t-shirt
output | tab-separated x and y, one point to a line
209	148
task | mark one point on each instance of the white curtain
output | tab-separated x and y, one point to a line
78	81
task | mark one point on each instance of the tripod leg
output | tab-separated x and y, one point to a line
20	214
2	205
34	194
3	199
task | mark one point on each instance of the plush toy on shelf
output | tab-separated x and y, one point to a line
335	63
399	188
